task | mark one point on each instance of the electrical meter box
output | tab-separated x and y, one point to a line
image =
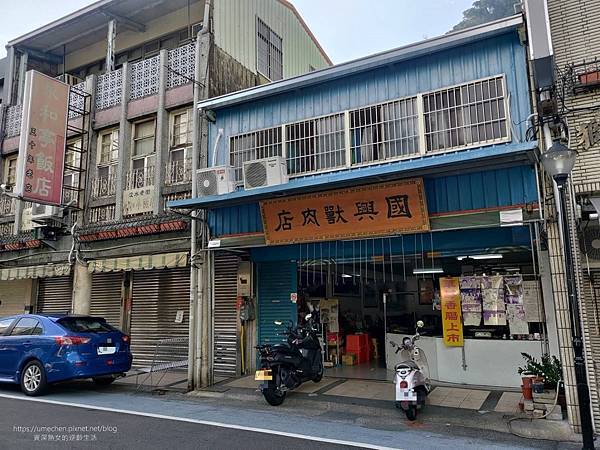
244	279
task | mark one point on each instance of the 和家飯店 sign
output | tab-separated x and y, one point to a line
373	210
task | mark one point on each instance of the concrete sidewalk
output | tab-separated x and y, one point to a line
373	401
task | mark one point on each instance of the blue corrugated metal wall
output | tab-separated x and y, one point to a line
493	56
449	193
446	243
276	281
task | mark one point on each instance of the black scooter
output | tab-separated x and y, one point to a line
286	366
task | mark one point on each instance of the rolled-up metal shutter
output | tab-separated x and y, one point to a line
225	359
54	295
106	297
591	317
157	296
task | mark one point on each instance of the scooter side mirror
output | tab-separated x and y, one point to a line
420	324
278	323
308	316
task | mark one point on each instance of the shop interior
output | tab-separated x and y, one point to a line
347	294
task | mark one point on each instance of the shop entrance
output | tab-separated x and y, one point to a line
347	292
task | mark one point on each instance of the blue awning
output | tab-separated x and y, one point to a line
483	157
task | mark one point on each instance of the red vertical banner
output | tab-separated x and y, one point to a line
43	138
451	312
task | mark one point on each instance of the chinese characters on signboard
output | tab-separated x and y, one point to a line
588	135
374	210
43	136
451	320
138	201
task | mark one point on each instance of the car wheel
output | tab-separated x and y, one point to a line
33	379
104	381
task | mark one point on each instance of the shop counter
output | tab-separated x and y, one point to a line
488	362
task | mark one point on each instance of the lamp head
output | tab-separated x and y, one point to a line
559	161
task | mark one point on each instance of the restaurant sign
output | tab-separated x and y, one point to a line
43	136
367	211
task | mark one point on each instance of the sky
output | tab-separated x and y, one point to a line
346	29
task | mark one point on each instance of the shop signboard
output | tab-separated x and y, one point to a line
138	200
43	137
366	211
451	312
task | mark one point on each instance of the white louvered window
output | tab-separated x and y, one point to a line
10	170
250	146
450	119
269	52
315	145
386	131
468	114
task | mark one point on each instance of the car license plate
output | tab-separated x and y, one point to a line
106	350
263	375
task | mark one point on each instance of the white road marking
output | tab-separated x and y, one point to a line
201	422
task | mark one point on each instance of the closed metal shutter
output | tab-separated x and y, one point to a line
54	295
276	281
106	297
15	297
157	296
591	306
225	314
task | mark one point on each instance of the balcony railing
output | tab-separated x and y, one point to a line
109	89
144	77
7	206
139	178
76	101
13	120
104	186
102	214
181	63
179	172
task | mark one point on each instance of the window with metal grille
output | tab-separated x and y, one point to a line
471	113
250	146
10	170
269	51
386	131
315	145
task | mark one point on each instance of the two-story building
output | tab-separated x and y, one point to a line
394	187
138	71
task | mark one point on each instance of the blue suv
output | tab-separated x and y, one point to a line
37	350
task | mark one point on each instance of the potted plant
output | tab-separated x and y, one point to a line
546	371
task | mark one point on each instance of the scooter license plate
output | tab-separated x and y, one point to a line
263	375
406	395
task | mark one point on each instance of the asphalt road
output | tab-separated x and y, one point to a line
25	425
81	415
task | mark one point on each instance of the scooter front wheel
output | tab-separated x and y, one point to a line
411	412
273	396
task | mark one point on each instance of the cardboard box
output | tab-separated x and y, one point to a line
349	359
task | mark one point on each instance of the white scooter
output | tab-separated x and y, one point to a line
412	375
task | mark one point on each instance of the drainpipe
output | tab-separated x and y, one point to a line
196	333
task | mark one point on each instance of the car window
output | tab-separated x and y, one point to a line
85	325
27	327
5	324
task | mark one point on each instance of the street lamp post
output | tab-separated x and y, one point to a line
558	161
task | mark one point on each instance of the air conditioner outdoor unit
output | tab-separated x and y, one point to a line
216	180
265	172
43	213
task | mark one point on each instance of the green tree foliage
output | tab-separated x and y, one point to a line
484	11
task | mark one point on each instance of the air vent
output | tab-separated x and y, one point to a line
215	181
589	242
265	172
256	174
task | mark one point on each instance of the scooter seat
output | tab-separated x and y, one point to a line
407	365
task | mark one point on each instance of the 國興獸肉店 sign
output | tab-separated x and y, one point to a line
373	210
43	137
451	312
